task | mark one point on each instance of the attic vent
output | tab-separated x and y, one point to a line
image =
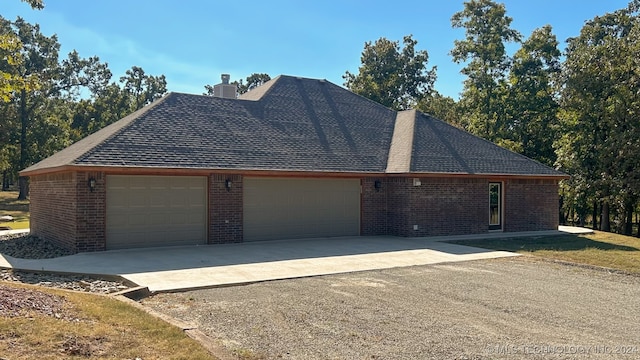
224	89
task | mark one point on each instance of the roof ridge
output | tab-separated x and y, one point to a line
401	148
83	146
259	92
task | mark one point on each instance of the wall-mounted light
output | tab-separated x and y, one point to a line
92	184
227	184
377	185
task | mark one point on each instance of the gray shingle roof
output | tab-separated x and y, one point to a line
288	124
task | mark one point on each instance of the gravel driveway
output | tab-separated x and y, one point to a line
516	308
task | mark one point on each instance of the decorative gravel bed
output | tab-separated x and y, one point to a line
30	247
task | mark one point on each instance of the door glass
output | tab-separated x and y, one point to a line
495	202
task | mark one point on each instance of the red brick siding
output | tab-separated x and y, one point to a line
64	210
398	206
441	206
225	209
531	205
53	208
91	212
373	213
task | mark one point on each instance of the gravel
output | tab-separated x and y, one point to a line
31	247
515	308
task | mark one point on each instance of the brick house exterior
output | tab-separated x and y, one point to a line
415	175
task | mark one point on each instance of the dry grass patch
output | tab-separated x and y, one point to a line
603	249
19	209
85	326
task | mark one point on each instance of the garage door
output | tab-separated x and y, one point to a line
144	211
282	208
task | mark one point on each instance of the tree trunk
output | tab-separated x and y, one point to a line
5	181
22	181
605	224
594	219
638	222
628	223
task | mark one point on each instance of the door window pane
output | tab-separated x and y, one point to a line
495	202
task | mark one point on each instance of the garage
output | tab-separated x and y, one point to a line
294	208
146	211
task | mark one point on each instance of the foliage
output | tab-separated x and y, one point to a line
531	102
600	144
487	29
51	102
393	76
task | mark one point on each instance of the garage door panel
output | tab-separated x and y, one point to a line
281	208
145	211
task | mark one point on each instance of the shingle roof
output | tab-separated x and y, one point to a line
289	124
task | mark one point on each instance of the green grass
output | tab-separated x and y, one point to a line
19	209
602	249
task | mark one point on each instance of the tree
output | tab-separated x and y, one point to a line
33	103
391	75
111	102
531	101
10	56
143	89
252	81
35	4
601	117
487	29
442	107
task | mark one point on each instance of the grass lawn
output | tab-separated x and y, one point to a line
604	249
19	209
86	326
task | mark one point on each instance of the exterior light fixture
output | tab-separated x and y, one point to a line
92	184
377	185
227	184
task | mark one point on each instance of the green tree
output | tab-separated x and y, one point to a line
391	75
531	101
141	88
487	29
442	107
10	57
601	117
111	102
39	133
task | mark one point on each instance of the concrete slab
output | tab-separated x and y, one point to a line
189	267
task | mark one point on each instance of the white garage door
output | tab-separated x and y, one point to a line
144	211
283	208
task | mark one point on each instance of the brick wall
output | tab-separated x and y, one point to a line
90	212
373	214
531	205
439	206
225	209
398	206
64	210
53	208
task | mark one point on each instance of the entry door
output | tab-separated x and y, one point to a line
495	206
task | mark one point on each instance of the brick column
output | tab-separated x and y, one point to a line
225	209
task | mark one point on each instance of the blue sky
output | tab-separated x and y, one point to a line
193	41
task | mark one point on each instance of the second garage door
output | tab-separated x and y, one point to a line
285	208
144	211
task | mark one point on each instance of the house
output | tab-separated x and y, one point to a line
294	158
